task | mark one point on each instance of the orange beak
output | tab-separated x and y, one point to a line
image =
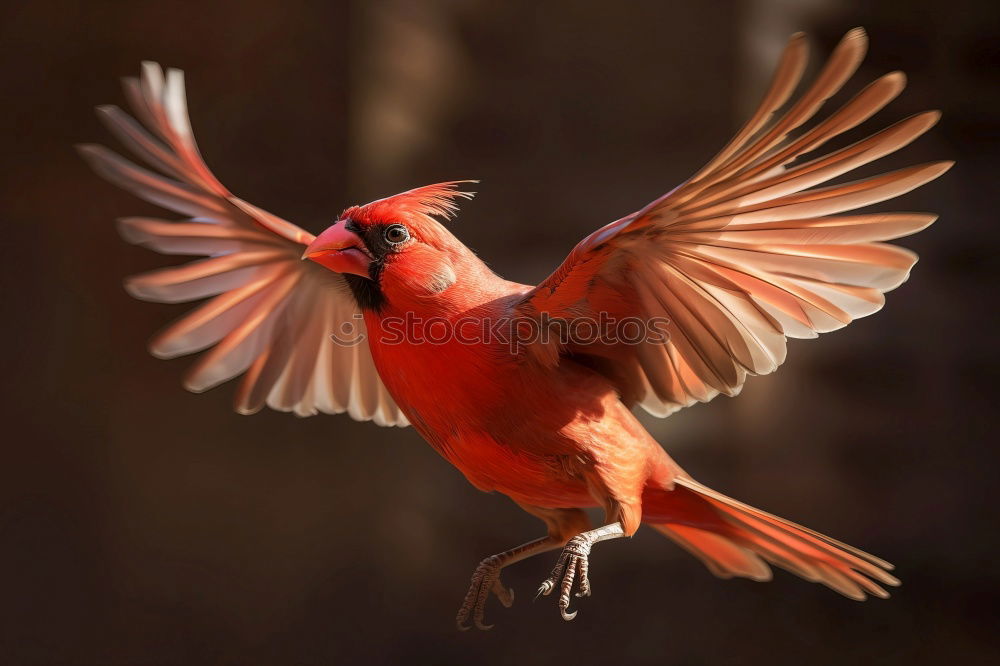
340	250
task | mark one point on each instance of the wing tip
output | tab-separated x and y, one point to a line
128	284
797	47
133	288
856	41
156	350
935	170
926	119
193	387
126	229
139	288
897	77
856	33
88	151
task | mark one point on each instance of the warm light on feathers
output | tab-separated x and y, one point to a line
420	204
753	250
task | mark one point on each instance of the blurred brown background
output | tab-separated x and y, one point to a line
145	525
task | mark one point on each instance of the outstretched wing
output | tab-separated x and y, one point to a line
271	315
748	252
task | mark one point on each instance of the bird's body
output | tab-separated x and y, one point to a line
506	421
531	435
500	377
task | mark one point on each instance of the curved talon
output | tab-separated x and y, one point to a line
571	567
505	595
460	620
485	580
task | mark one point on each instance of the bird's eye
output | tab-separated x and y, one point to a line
396	233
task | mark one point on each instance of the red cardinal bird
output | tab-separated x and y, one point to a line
720	271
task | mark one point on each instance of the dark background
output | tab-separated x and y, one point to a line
145	525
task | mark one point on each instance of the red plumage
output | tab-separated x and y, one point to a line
745	254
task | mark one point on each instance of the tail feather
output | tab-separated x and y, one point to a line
722	556
735	539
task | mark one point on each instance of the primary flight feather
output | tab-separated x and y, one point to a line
529	390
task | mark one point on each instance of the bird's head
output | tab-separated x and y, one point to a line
392	249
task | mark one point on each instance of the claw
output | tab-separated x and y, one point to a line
571	567
485	580
505	595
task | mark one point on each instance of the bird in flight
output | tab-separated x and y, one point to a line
530	390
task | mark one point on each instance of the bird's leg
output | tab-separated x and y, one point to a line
573	563
486	579
562	523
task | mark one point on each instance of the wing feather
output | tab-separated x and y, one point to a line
198	237
756	247
211	321
272	315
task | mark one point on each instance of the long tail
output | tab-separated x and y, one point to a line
734	539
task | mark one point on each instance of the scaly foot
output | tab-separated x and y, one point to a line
485	580
572	565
